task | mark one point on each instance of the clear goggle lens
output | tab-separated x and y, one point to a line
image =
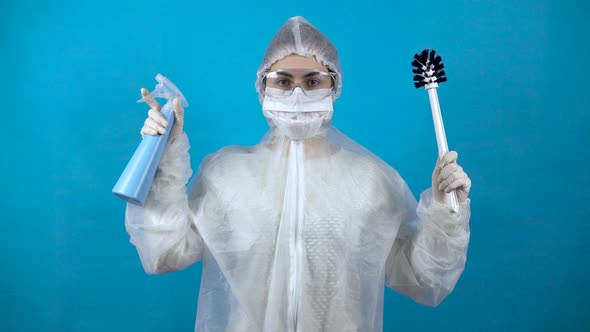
282	83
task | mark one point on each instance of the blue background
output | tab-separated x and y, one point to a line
514	107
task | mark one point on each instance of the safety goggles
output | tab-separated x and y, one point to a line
282	83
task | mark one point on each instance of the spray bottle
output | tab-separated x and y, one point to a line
136	180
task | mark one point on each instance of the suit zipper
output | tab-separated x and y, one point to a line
296	227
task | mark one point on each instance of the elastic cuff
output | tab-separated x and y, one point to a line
441	215
174	170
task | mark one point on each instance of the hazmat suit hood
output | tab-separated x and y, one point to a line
298	36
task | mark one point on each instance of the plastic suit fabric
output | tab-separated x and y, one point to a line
297	235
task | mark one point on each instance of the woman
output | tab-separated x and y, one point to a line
300	232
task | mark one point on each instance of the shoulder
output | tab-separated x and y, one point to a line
367	166
374	177
231	164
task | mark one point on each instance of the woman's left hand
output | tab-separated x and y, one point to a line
448	176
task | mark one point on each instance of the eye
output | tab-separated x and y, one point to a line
282	82
313	82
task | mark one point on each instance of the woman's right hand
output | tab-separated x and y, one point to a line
156	122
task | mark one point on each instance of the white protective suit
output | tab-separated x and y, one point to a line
297	235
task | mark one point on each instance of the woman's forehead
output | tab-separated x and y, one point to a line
298	62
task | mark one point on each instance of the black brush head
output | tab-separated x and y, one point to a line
428	68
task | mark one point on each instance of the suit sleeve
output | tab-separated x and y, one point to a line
430	250
164	230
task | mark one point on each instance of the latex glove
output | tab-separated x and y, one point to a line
448	176
156	123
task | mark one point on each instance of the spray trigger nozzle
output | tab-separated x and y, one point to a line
167	90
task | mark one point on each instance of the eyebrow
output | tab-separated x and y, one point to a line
287	74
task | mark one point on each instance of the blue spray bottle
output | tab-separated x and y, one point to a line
134	184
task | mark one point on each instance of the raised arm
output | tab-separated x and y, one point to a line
430	251
164	230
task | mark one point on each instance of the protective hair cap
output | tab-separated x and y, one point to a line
298	36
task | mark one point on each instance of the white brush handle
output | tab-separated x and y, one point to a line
441	137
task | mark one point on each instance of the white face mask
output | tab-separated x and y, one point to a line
299	116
